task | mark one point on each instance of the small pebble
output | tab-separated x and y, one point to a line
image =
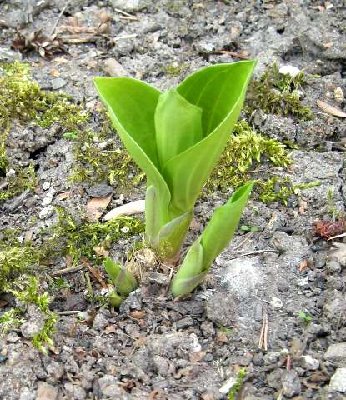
45	185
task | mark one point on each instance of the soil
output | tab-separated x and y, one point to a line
281	280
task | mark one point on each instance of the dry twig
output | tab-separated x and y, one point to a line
263	340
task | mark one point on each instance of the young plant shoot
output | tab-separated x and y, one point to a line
176	138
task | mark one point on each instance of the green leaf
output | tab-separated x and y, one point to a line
172	234
152	222
224	222
112	268
219	90
215	237
123	280
131	105
178	125
114	299
190	273
126	283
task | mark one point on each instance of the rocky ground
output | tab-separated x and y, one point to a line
274	308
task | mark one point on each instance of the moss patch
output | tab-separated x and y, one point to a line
278	94
85	239
14	260
98	158
174	69
20	180
245	151
26	291
22	100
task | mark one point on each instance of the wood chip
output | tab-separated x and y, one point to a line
335	111
96	207
96	274
137	314
101	251
135	207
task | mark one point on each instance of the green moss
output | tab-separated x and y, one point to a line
278	94
3	154
305	317
245	150
83	239
275	189
27	291
11	319
22	179
280	189
22	100
98	158
14	260
232	394
174	69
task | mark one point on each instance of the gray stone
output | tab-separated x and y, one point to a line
221	309
48	198
55	371
310	363
185	322
45	185
58	83
336	352
242	275
274	379
46	212
110	388
290	383
113	68
338	381
131	5
100	321
46	391
162	365
100	190
34	324
75	392
335	306
333	266
27	394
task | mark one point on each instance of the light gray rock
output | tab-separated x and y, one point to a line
55	371
310	363
113	68
27	394
242	275
100	321
335	306
74	391
338	381
290	383
46	212
46	391
34	324
58	83
336	352
110	388
130	5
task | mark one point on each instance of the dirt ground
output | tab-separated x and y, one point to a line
274	308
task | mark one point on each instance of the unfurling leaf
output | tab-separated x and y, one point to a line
122	279
217	234
177	138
